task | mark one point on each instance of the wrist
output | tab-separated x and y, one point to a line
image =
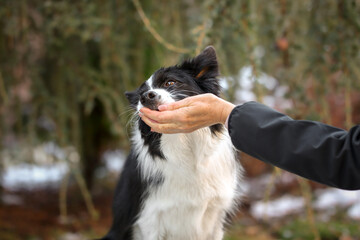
225	110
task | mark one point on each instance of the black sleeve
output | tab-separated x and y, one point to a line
310	149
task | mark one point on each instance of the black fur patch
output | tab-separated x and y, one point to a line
151	139
130	194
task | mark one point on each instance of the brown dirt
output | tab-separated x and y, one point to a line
38	216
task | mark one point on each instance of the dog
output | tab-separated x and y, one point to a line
177	186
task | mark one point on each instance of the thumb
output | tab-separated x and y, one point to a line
175	105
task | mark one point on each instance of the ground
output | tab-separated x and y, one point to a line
35	216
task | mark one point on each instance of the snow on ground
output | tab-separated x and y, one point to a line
72	236
354	211
48	167
331	197
114	160
326	201
280	207
31	176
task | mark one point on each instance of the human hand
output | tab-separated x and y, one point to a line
188	115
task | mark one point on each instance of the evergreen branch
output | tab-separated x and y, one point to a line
275	173
62	198
306	192
153	32
200	39
85	193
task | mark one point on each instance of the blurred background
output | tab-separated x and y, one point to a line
64	119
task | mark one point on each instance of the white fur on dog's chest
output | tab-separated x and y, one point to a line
199	184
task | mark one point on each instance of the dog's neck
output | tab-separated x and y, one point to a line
184	149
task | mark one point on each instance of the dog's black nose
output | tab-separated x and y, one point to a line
149	96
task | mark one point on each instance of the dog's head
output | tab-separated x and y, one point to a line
191	77
166	85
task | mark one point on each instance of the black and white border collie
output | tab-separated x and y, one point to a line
176	186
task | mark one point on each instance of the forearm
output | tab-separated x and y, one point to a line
310	149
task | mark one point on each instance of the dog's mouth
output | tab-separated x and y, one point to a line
152	106
154	98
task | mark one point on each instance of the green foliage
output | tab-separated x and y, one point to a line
64	63
300	229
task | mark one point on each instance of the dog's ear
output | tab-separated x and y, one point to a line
205	70
133	98
206	63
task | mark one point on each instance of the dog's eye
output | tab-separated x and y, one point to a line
169	83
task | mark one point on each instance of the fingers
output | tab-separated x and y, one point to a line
151	114
175	105
161	117
158	127
161	123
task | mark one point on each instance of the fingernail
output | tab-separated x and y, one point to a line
141	114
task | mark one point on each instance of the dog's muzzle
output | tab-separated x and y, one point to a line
150	99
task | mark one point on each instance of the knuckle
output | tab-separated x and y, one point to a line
186	119
182	118
162	129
